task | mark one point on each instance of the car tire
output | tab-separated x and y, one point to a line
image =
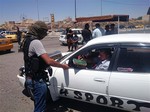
63	44
9	50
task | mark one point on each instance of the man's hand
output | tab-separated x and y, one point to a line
65	66
52	62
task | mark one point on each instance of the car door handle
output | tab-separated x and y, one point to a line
99	80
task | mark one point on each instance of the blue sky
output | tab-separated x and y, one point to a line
15	10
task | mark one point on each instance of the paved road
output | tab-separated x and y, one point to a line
147	30
12	97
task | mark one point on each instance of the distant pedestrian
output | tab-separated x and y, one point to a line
86	33
97	31
113	30
19	33
69	34
74	40
102	30
107	30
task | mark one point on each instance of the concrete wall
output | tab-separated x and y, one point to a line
146	18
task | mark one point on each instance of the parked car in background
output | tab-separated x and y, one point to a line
147	26
1	30
131	27
63	38
122	26
4	32
124	85
5	44
11	35
139	26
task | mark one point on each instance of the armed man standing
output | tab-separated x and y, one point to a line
36	60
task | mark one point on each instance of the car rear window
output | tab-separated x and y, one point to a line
74	31
134	60
12	33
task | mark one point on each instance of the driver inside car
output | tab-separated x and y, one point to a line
104	60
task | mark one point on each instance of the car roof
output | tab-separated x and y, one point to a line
76	29
121	38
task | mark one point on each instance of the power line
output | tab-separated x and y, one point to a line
125	3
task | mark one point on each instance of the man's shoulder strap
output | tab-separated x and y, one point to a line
26	44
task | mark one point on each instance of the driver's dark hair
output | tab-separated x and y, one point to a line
107	51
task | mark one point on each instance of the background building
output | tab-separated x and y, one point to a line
146	18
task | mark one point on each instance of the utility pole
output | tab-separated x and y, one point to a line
75	9
75	13
101	7
52	22
38	8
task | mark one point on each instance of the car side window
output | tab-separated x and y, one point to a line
133	60
91	59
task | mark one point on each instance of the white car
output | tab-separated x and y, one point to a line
63	38
126	83
4	33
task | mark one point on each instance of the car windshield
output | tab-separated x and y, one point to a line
12	33
63	57
74	31
77	31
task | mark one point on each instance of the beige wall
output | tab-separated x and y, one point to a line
146	18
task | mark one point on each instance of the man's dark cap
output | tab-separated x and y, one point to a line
38	29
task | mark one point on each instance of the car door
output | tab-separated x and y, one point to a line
129	86
86	84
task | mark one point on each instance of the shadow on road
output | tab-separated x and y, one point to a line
25	92
6	52
68	105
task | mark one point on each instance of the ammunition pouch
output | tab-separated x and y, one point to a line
43	75
34	64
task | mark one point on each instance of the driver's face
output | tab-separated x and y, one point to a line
103	56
